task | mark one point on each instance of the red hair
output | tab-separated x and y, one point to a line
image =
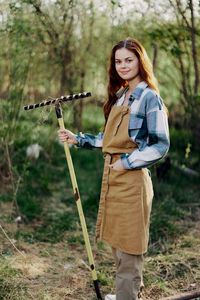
116	82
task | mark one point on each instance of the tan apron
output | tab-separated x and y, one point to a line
126	196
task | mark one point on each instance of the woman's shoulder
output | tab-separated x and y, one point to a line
152	98
149	93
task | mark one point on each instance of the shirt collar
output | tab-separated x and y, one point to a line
136	93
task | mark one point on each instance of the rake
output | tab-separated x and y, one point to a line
57	102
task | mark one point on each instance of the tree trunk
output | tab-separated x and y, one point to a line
155	54
66	78
78	109
63	80
185	296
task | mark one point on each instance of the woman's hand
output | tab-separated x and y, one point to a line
117	165
66	135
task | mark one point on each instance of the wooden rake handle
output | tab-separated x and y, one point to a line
79	205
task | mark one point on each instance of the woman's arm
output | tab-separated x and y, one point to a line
89	141
157	144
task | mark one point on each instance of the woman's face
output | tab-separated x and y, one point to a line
126	64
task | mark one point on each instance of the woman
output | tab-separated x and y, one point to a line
135	137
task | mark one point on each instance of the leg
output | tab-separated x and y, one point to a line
128	276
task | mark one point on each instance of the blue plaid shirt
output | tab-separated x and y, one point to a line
148	128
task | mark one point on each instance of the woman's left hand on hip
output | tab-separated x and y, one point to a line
117	165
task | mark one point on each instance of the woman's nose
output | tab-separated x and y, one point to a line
123	65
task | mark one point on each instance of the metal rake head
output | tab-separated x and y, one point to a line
58	100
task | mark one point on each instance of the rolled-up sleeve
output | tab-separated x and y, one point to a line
157	141
89	141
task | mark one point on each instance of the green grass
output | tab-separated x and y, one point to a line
174	196
12	285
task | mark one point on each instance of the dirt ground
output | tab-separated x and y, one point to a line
60	271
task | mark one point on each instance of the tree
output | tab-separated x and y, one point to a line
179	37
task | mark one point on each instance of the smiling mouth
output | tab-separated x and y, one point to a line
124	72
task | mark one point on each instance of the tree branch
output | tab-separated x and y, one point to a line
46	22
184	296
178	3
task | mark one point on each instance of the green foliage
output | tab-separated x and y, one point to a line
93	119
65	49
179	139
170	205
34	54
46	185
11	283
76	239
105	275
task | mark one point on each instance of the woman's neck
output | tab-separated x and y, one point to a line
134	82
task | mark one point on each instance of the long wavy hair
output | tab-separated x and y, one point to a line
116	82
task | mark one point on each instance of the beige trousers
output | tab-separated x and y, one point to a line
128	276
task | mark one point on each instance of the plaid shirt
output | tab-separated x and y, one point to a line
148	128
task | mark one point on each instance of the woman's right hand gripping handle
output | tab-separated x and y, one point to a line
66	135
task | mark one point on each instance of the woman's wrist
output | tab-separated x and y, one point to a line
75	140
78	139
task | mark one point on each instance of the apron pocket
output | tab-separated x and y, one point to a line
125	177
124	221
122	188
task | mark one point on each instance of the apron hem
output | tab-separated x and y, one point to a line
122	249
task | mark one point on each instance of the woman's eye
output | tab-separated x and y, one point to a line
129	60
